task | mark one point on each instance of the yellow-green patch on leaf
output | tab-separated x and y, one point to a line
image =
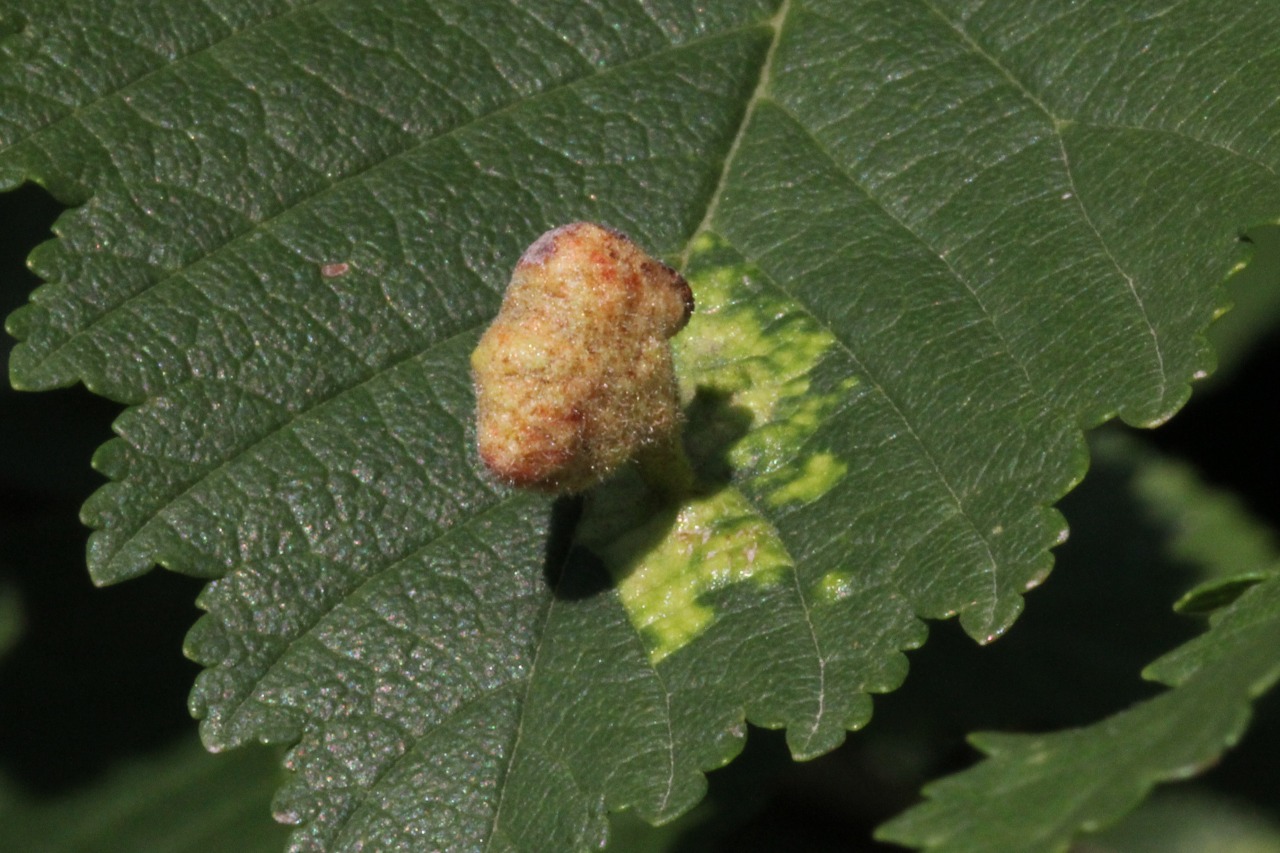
819	473
755	350
745	364
665	567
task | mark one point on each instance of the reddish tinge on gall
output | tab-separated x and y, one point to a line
575	375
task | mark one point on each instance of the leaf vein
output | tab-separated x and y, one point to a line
840	336
264	225
760	92
78	112
373	575
316	405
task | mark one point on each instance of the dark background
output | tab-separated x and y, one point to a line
98	674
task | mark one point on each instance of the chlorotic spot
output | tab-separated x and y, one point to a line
667	565
815	477
748	366
575	376
756	351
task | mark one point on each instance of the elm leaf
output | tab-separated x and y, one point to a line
935	240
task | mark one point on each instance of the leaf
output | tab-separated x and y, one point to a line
1193	822
1071	661
934	241
180	800
10	618
1034	792
1053	786
1210	529
1255	299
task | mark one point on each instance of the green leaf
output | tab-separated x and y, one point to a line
1035	792
1191	822
10	618
1254	291
1070	661
1209	528
930	242
180	800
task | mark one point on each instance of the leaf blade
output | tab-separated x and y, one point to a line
292	322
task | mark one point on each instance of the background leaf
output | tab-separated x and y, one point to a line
181	800
1035	793
1006	220
1192	824
10	618
1070	662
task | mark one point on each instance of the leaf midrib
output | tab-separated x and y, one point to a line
290	424
372	576
79	111
776	23
262	226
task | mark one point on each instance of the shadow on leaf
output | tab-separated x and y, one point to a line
579	559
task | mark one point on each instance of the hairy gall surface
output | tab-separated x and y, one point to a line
575	375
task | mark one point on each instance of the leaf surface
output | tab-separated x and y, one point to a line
1036	792
11	621
182	799
930	242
